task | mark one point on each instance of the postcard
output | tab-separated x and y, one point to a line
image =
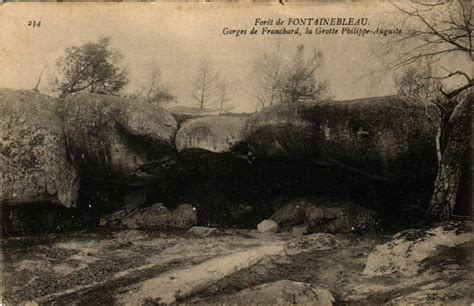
313	153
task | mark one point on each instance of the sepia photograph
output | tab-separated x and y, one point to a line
238	153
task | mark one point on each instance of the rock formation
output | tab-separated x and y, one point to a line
120	140
230	167
35	165
380	137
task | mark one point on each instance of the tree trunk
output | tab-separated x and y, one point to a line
457	135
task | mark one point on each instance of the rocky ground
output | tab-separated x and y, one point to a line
205	266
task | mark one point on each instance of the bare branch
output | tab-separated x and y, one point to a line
39	78
453	74
453	93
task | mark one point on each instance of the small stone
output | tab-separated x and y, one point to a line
202	231
267	226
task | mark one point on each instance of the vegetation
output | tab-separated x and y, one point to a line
288	79
154	92
436	32
203	86
92	67
224	88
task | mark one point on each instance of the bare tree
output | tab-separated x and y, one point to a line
260	93
39	78
268	78
415	82
204	84
300	80
288	79
436	32
224	87
154	92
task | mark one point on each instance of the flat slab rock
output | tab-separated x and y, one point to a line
408	250
170	287
419	267
202	231
283	292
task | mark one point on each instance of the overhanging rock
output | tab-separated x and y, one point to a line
385	138
118	140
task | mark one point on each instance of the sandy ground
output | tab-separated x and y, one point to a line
110	267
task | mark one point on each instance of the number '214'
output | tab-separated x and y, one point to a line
34	23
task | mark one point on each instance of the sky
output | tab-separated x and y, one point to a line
176	37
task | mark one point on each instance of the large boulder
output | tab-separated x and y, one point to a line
35	165
217	134
118	140
380	137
